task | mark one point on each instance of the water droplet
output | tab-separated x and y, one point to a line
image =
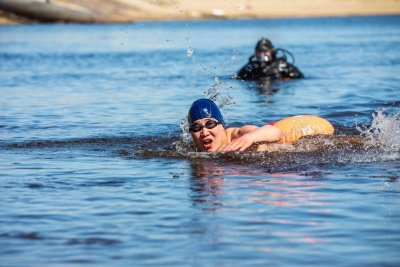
189	52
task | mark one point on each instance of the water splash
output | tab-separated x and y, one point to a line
189	52
214	93
183	144
384	131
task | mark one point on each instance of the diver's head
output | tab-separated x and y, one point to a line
206	125
264	51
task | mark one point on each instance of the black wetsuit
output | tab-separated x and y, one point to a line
277	69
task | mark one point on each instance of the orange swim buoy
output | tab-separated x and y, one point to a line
295	127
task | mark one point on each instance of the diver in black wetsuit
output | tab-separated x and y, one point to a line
265	64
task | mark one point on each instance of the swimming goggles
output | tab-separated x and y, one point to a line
198	127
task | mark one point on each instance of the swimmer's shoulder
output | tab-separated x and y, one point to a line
236	132
231	133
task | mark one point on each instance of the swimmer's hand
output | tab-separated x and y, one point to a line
239	144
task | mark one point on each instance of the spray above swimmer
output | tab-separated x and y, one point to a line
189	52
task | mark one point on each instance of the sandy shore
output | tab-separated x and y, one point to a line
118	11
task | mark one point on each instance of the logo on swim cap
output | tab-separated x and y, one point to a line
204	108
206	112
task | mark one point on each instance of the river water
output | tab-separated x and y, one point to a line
95	168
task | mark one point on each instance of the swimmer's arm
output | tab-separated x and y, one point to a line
247	135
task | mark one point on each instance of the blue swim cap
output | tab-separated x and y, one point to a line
204	108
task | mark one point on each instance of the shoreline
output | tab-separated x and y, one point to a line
129	11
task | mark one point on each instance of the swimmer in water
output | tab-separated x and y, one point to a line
207	127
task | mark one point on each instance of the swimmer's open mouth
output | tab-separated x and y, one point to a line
207	143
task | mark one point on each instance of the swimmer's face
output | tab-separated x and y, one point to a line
206	139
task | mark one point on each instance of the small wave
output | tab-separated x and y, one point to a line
93	241
23	235
377	142
107	144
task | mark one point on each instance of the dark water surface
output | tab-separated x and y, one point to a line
95	169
